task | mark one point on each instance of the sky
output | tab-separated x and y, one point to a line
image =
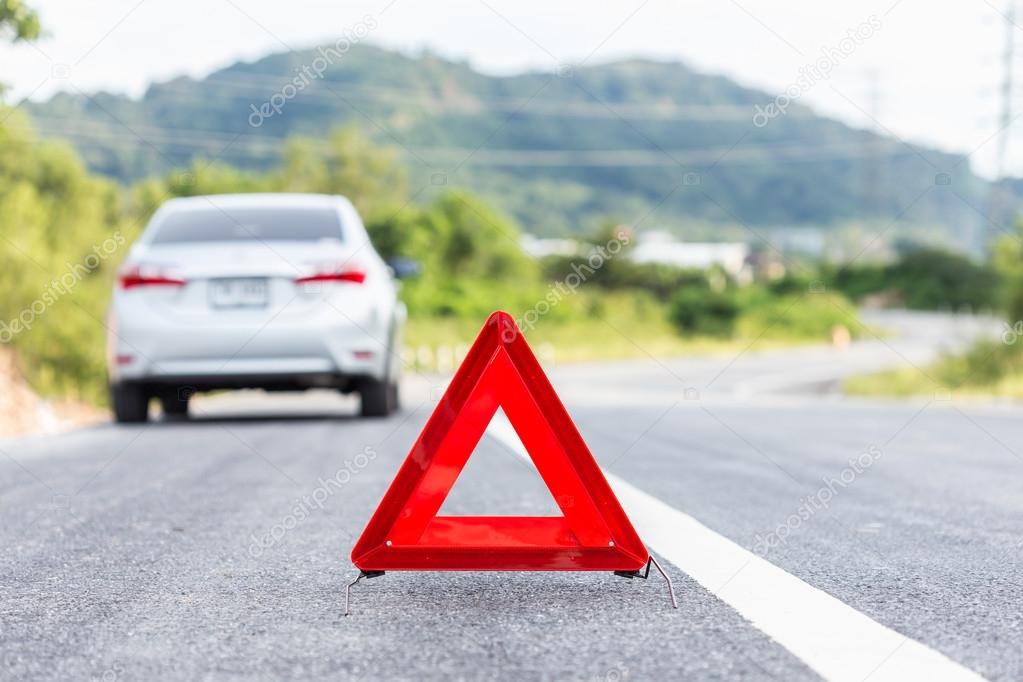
923	71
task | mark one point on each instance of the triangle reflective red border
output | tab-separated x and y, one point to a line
405	532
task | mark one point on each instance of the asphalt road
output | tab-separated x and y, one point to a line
218	547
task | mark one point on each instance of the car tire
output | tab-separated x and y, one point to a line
379	398
395	396
174	405
130	403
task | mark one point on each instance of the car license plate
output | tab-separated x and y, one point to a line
248	292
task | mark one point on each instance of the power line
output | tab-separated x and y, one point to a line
261	88
468	103
256	146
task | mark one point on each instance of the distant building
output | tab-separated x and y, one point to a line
661	247
540	248
796	240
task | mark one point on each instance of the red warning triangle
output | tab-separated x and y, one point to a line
593	533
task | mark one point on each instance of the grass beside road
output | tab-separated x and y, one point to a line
585	340
990	368
623	327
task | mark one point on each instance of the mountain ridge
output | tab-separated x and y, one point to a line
558	151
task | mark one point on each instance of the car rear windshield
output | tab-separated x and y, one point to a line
215	224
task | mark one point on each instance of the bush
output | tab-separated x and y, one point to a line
811	316
934	279
989	367
699	310
924	279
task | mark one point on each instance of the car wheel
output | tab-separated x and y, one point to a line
379	398
130	403
395	396
174	405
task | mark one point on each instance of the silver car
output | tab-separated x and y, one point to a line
272	291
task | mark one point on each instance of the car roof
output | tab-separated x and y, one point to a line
258	200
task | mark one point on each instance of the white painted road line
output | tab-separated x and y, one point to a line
831	637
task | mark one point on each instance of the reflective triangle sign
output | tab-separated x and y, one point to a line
593	532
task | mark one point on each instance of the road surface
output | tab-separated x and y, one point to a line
218	548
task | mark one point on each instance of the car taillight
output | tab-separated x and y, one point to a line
343	274
132	276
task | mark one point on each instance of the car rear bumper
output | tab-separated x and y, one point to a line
273	353
187	384
241	366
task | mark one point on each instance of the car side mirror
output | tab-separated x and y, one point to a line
403	268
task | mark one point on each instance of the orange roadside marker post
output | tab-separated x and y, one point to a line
593	533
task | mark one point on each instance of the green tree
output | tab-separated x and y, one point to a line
475	241
18	21
348	163
61	235
1007	259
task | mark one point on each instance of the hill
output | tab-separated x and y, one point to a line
558	151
